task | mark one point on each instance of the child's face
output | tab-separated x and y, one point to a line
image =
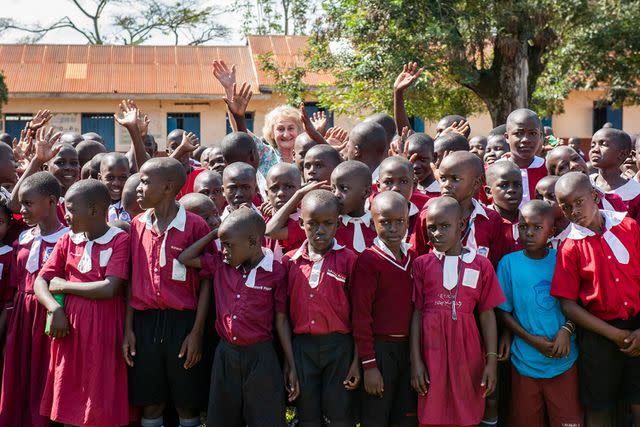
280	188
351	194
114	176
496	148
534	230
506	190
151	191
236	246
65	167
35	207
566	161
317	168
300	148
458	181
547	193
212	188
172	145
320	224
5	221
478	146
210	214
444	230
239	189
396	179
421	162
8	175
204	159
78	214
216	161
606	152
580	206
391	225
524	137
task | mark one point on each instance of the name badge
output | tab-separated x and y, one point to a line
105	256
179	271
470	278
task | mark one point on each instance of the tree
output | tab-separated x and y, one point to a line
497	55
4	92
184	20
275	16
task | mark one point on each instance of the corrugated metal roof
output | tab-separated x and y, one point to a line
143	70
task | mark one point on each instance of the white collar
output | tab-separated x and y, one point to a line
611	219
467	257
303	248
5	249
404	247
33	233
537	162
556	240
434	187
266	263
227	210
629	191
178	222
375	175
478	209
366	218
78	238
413	209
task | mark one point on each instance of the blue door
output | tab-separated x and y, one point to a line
14	123
102	124
248	118
185	121
604	114
417	124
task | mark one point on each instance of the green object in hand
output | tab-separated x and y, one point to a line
47	327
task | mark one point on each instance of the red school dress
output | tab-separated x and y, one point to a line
452	348
87	378
27	347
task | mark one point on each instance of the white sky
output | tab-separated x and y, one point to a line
48	11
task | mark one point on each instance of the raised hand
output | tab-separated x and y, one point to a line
399	148
337	137
189	142
41	118
410	73
460	127
239	100
23	148
46	140
319	121
128	114
225	75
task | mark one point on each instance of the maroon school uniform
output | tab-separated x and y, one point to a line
610	202
510	233
319	290
483	233
379	282
420	200
191	179
356	233
158	279
27	348
414	221
89	387
629	193
246	302
6	263
61	211
601	270
295	237
431	191
530	177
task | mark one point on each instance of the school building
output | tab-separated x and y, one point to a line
174	85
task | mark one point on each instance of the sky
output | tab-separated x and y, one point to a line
48	11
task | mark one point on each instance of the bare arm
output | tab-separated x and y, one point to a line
191	256
130	120
419	372
489	332
102	289
284	334
277	226
409	74
588	321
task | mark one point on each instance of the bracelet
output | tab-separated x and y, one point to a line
492	354
567	329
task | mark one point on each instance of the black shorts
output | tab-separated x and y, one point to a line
398	404
606	374
247	387
322	363
158	374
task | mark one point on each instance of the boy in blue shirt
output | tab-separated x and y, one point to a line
544	350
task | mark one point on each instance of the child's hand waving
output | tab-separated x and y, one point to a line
238	101
410	73
46	148
319	121
419	377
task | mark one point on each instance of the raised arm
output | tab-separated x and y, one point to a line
410	73
237	104
191	256
130	119
188	144
309	128
277	227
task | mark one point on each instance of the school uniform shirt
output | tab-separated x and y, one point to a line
431	191
228	209
262	186
530	177
555	241
381	281
630	195
483	233
117	212
526	284
356	233
610	201
510	233
78	379
6	263
246	301
412	226
191	179
601	270
448	291
158	279
319	290
61	211
295	237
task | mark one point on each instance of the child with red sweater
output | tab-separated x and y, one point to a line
88	266
382	279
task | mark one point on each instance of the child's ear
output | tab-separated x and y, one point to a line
252	240
45	167
367	191
487	191
98	177
53	201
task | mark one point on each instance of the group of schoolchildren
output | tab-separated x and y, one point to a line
380	283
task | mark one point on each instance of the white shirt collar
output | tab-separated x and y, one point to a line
33	233
5	249
629	191
303	248
227	210
537	162
434	187
450	267
611	219
413	209
78	238
404	247
375	175
556	240
478	209
467	257
266	264
178	222
366	218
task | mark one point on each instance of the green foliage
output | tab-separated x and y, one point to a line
4	91
286	17
288	80
493	55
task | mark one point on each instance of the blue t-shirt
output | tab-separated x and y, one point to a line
526	284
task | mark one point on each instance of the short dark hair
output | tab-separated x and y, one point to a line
42	183
92	192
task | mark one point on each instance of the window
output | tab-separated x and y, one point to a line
547	121
15	122
417	124
248	118
101	123
186	121
606	113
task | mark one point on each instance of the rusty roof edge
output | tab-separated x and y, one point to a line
161	96
253	62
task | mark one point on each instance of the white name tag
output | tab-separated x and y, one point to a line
470	278
179	271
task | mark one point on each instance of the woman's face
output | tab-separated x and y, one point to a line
285	133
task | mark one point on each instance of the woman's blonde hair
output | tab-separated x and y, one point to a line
281	112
